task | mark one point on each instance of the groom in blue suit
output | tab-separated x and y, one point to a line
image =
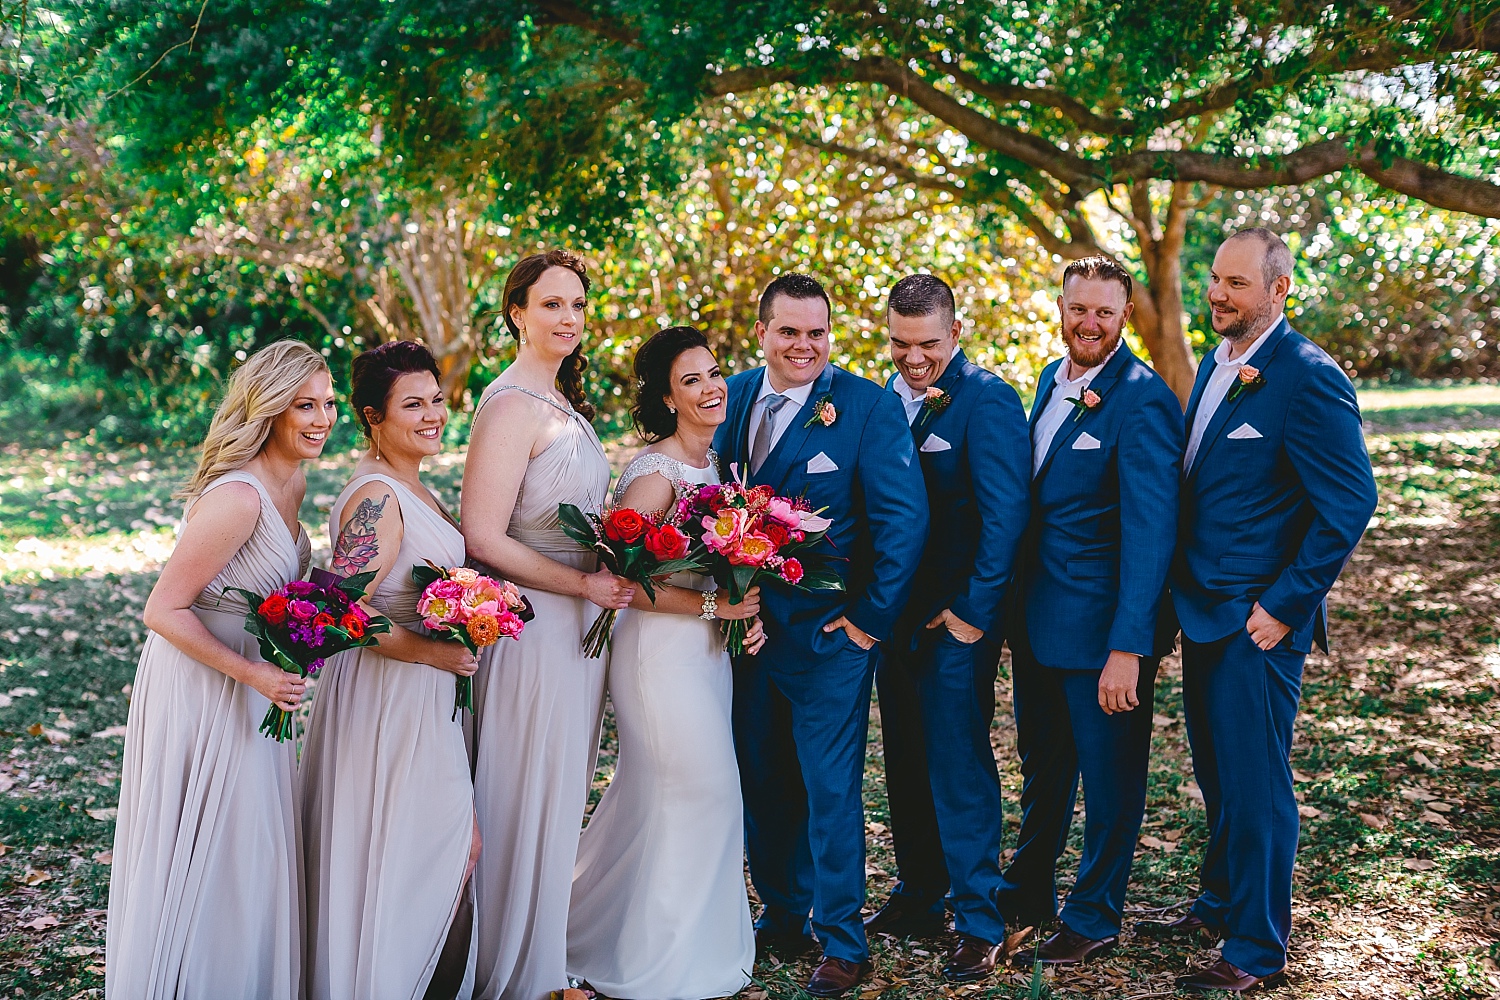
802	705
1107	438
937	681
1276	491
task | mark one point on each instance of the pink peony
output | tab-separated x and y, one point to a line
510	625
448	590
723	533
753	550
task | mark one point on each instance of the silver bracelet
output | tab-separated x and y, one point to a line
710	605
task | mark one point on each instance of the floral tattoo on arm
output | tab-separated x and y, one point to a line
357	543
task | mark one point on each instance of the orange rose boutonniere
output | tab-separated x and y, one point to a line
823	412
1250	378
1091	401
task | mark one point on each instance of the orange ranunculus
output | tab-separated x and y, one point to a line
483	629
625	525
323	619
353	625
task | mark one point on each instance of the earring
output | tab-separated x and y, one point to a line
523	335
672	410
377	447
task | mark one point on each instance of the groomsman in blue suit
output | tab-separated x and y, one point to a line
1106	434
937	681
802	706
1276	491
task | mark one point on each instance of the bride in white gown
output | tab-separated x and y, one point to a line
659	909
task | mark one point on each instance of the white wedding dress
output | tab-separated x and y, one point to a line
659	908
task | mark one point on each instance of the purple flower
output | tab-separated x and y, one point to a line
302	610
315	666
299	588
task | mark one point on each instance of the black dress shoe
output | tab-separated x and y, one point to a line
1184	926
834	977
1224	976
1068	947
782	944
973	959
902	917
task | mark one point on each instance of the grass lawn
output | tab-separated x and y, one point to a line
1397	751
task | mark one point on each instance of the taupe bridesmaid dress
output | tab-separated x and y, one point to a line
388	806
205	893
538	706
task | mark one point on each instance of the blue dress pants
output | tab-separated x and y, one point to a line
1240	704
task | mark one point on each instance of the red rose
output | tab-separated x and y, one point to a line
353	626
666	543
776	533
624	525
273	609
791	571
323	620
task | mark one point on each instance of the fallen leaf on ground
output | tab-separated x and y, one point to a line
1422	759
103	815
45	922
1299	777
111	731
35	729
105	857
1375	820
1309	812
1435	819
35	877
80	950
1191	790
6	782
57	737
1419	864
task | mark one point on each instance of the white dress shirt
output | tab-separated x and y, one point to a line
913	403
1059	409
784	416
1224	374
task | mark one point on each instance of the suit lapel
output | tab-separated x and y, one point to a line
1227	408
952	375
739	425
779	462
1073	425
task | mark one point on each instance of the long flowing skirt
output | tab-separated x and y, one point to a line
659	905
205	894
388	812
538	706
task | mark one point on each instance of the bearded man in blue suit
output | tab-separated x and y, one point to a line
1106	435
801	706
1277	490
937	681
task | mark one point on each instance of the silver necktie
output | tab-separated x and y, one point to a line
761	446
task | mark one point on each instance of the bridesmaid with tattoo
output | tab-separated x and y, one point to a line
388	805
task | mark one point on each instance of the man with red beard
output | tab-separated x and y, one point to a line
1106	435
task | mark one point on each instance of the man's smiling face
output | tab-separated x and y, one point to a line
1094	311
795	341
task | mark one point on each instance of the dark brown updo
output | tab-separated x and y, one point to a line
653	379
374	373
517	284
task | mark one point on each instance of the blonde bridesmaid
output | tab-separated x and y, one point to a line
388	804
205	895
538	701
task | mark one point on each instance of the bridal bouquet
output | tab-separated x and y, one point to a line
304	623
744	536
631	545
465	606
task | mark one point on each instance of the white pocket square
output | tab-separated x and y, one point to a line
1085	442
935	443
821	463
1244	432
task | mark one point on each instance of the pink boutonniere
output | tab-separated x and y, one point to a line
1091	400
935	401
1250	378
823	411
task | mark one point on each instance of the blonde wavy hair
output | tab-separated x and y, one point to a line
259	391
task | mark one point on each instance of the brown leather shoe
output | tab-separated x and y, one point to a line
1068	947
783	944
1183	926
834	977
1223	976
973	959
901	917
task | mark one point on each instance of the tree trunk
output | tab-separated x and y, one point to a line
1158	314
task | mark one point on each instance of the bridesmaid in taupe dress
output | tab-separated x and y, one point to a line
538	701
388	806
205	894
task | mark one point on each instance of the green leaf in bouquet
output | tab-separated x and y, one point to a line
576	525
821	579
684	565
422	576
741	578
354	586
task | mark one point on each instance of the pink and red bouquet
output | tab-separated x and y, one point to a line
631	545
747	536
304	623
466	606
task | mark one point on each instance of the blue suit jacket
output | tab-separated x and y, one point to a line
1103	521
1272	517
874	496
976	466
